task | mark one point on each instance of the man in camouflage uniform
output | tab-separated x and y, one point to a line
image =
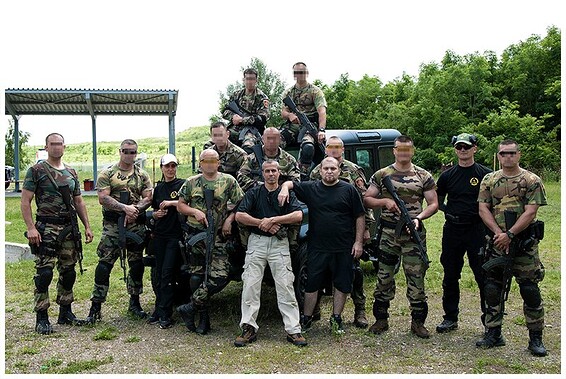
254	105
250	175
192	204
310	100
46	235
353	174
513	189
231	156
129	177
413	184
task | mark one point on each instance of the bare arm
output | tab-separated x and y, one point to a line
184	208
83	215
108	202
371	200
358	249
145	202
33	235
283	196
431	205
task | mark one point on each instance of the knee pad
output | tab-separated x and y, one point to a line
307	153
136	270
195	281
530	294
67	279
43	279
492	293
102	273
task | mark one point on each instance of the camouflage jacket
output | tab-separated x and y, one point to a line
255	107
48	198
410	185
250	172
226	189
511	193
307	99
353	174
114	178
230	160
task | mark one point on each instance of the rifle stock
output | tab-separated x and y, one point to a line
405	220
210	232
124	199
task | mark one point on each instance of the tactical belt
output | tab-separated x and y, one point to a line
462	220
52	220
387	224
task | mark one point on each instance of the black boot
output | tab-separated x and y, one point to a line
94	314
491	338
135	308
42	325
203	322
535	343
67	317
187	312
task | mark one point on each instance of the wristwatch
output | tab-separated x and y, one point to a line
322	130
510	234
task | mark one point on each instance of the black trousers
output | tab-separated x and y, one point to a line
457	240
167	255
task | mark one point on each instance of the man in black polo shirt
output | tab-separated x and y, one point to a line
335	237
268	244
464	230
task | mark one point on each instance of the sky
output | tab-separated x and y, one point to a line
198	48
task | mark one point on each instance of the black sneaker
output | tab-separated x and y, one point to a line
153	319
336	324
491	338
306	322
166	323
446	326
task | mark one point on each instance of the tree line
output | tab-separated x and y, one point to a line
514	96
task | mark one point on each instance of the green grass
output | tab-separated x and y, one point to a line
176	351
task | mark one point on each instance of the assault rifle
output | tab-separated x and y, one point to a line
505	261
405	220
73	229
233	106
124	235
304	120
210	233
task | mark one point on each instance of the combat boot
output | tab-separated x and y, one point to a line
135	308
418	328
535	343
360	319
94	314
187	312
491	338
42	324
248	335
379	326
66	316
203	322
154	318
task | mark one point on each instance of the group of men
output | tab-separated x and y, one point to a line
258	189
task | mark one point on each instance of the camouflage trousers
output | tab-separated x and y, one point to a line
61	255
250	139
401	249
108	252
528	271
218	272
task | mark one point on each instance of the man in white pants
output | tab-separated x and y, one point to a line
268	244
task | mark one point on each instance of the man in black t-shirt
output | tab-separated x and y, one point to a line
268	244
463	230
335	236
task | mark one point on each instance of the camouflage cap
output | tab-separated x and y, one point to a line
466	138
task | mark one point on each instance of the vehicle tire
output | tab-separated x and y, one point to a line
300	272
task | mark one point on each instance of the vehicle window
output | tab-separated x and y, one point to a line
364	158
386	156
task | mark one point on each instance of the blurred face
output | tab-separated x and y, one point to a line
250	82
220	136
335	148
128	154
55	146
330	171
403	152
509	156
271	140
270	173
300	72
169	171
209	162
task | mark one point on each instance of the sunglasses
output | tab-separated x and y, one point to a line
299	72
209	161
463	146
507	153
129	152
